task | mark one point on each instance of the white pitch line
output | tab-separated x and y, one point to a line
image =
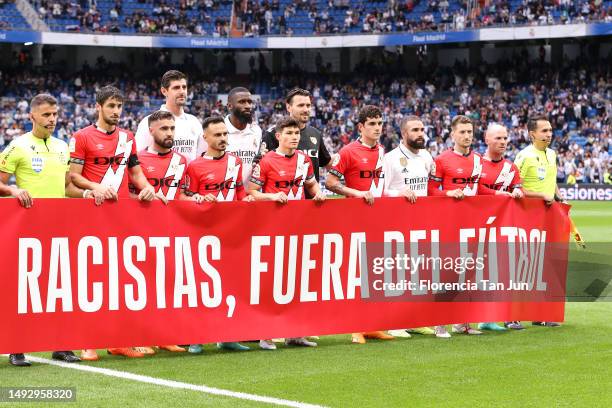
176	384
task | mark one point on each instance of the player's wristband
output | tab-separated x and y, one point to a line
85	192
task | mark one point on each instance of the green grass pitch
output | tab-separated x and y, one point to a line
537	367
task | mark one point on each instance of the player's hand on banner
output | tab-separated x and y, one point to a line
23	196
280	198
457	194
548	200
198	198
161	197
518	193
409	195
147	194
210	198
108	193
368	197
319	197
97	196
249	198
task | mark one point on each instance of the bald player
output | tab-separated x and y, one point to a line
499	174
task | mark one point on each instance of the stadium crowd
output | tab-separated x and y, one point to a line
258	17
576	97
272	17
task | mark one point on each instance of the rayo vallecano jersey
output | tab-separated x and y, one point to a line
362	167
188	135
277	172
245	143
457	171
501	175
105	156
220	176
404	169
165	172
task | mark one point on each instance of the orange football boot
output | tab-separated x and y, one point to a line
125	351
89	355
379	335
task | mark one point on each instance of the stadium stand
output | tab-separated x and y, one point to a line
299	17
286	17
182	17
10	17
576	97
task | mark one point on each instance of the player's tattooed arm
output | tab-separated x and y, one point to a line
333	184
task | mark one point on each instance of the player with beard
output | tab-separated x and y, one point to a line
458	172
501	175
165	170
282	175
214	177
188	139
299	105
407	169
361	165
244	138
101	157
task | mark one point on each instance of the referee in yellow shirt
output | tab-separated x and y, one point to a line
538	167
39	162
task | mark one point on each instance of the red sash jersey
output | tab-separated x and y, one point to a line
220	176
362	167
278	172
500	175
105	156
166	172
454	171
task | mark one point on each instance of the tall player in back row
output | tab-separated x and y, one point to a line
101	157
188	139
361	165
299	105
244	137
282	175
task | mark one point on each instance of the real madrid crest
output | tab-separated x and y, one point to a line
403	161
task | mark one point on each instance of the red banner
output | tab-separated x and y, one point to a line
128	273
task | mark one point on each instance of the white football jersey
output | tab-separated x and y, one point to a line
246	144
404	169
